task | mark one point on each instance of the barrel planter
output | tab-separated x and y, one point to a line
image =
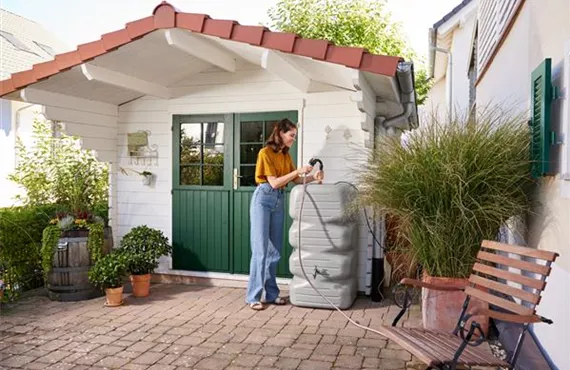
68	280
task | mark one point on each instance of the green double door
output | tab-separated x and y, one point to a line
213	181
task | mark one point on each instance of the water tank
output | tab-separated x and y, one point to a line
329	245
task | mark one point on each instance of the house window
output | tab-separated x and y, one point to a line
45	48
15	41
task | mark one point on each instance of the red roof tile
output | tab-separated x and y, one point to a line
166	16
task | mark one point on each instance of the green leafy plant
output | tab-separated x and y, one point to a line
20	247
359	23
57	170
143	246
109	271
452	184
95	241
50	239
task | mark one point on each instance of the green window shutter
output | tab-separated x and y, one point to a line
541	98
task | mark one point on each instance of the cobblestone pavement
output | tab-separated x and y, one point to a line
180	326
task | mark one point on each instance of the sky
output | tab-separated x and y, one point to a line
78	21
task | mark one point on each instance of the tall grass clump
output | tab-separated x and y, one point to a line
451	185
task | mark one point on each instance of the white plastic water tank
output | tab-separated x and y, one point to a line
329	245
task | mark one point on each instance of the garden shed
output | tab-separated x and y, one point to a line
190	99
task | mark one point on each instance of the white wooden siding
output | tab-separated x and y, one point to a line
250	89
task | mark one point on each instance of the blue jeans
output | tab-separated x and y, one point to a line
267	215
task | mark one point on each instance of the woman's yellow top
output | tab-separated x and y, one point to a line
270	163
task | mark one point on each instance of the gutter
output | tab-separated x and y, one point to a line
433	48
409	118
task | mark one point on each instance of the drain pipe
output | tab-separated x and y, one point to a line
433	48
409	117
17	129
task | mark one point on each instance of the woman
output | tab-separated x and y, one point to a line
274	170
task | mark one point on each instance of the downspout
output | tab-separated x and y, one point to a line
409	117
17	128
433	48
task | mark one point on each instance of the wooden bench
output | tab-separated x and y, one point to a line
493	283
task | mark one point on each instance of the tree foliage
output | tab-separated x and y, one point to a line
358	23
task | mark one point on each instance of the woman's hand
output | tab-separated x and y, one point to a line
319	176
304	170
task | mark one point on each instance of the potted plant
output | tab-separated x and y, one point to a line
147	177
143	246
451	185
108	274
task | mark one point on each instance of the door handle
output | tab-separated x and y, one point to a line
236	177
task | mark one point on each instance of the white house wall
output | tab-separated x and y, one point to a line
249	89
13	113
461	41
541	31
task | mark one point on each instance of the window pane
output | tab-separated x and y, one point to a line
248	153
191	132
190	175
247	175
190	152
269	128
214	133
251	131
213	175
214	154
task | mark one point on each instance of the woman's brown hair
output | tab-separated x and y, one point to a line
274	141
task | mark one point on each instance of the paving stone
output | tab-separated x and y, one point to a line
395	354
54	356
186	361
17	360
18	349
392	364
108	349
190	340
212	363
349	362
309	338
324	358
370	362
89	359
53	345
348	350
200	352
141	346
176	349
148	358
287	363
302	354
113	362
162	367
132	366
368	351
373	343
246	360
315	365
168	359
328	349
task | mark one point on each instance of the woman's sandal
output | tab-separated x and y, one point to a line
257	306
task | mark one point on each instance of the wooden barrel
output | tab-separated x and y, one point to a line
68	280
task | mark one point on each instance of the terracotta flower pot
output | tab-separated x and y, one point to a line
141	285
114	296
441	309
